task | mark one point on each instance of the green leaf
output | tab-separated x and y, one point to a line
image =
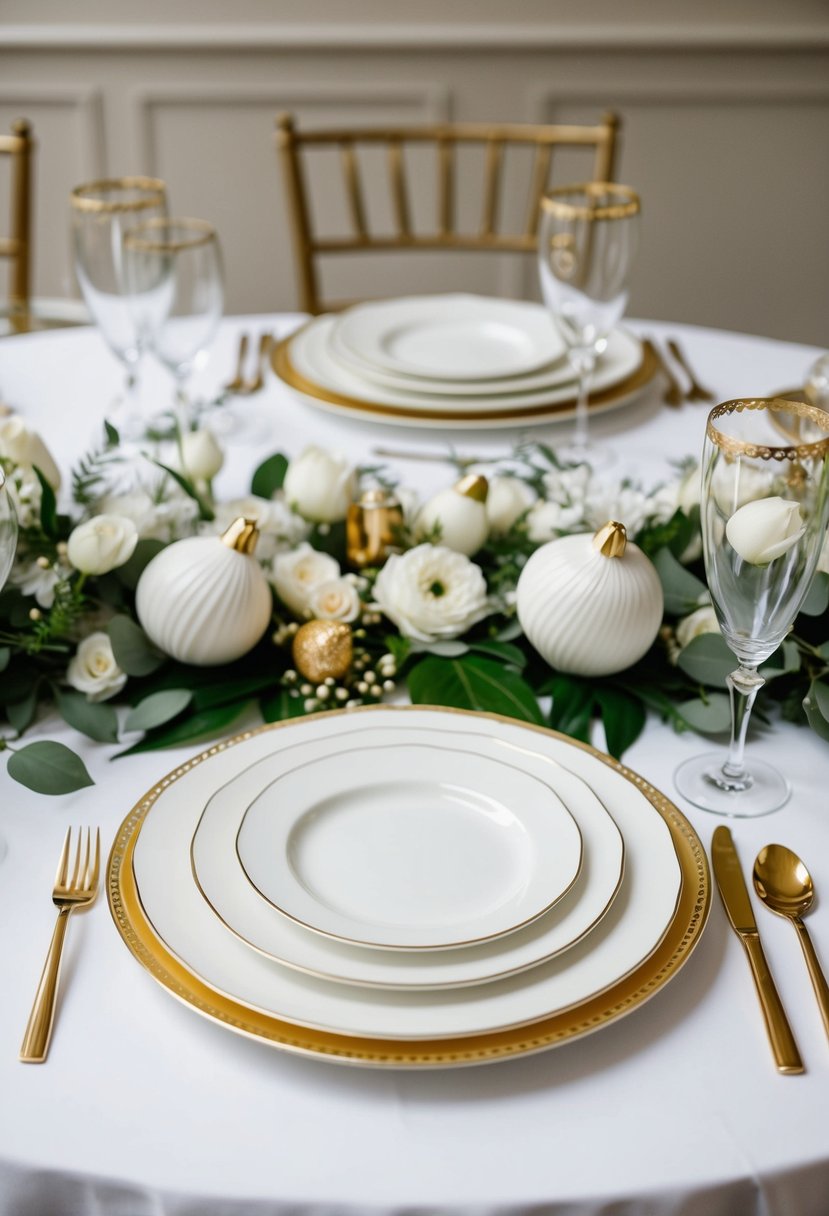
509	632
572	707
330	538
5	655
17	682
399	647
113	439
48	768
269	477
222	693
623	716
707	659
281	706
683	591
448	649
817	597
158	708
205	510
474	683
502	651
21	714
134	652
711	716
142	555
820	692
92	718
210	722
48	506
784	661
816	707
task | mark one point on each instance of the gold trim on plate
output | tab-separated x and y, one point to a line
629	993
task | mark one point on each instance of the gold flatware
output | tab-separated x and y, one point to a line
258	381
696	392
79	891
785	885
237	384
673	394
737	905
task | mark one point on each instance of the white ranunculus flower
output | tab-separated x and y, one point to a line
94	671
431	592
201	455
26	449
764	529
508	499
297	574
460	521
548	520
704	620
334	600
320	486
102	544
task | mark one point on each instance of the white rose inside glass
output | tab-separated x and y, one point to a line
764	514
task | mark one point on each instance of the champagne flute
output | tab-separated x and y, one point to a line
174	274
764	513
8	546
102	212
587	241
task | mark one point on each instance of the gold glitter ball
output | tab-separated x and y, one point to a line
322	649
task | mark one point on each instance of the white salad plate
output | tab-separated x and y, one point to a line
248	916
156	839
409	847
451	337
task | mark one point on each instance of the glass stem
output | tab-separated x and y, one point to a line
743	686
583	361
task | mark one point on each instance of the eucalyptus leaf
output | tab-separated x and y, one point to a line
269	477
209	722
572	707
134	652
623	717
683	591
820	693
48	768
92	718
816	697
784	661
817	597
471	682
21	714
158	708
711	716
449	649
708	660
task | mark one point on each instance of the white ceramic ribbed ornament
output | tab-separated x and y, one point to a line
205	600
460	513
590	605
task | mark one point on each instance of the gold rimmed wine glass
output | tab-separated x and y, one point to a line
587	241
764	512
102	213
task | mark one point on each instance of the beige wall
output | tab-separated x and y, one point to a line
725	106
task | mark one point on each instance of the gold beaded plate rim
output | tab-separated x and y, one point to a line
633	990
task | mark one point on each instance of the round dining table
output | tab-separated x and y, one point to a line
144	1108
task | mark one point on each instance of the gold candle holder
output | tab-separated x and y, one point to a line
372	528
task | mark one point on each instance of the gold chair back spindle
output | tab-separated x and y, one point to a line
493	139
17	246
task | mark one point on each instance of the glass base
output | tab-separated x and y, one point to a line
702	782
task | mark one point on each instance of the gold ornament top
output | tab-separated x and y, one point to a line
473	486
611	539
242	536
323	649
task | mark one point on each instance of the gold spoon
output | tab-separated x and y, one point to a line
785	885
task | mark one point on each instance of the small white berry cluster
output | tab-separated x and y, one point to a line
363	684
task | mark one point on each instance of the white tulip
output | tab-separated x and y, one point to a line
704	620
508	499
431	592
94	671
102	544
201	455
296	575
764	529
320	486
334	600
548	520
460	521
25	448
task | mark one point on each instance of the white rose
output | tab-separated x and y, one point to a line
334	600
431	592
547	520
201	455
297	574
704	620
506	502
320	486
764	529
94	671
460	521
102	544
26	449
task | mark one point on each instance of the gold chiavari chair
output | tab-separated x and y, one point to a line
17	247
495	140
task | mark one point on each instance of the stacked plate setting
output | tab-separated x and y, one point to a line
408	886
451	360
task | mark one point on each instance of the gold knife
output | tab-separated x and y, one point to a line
738	908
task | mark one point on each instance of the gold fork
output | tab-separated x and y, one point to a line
258	381
79	891
237	384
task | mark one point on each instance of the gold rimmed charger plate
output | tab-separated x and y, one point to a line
609	398
627	994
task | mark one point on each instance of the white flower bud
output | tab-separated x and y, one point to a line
102	544
320	486
508	499
201	455
462	521
764	529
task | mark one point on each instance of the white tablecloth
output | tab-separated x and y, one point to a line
143	1107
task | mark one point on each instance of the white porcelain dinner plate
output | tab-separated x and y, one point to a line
197	942
452	337
246	915
409	847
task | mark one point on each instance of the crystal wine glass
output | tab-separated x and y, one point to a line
8	546
764	514
587	241
175	278
102	212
